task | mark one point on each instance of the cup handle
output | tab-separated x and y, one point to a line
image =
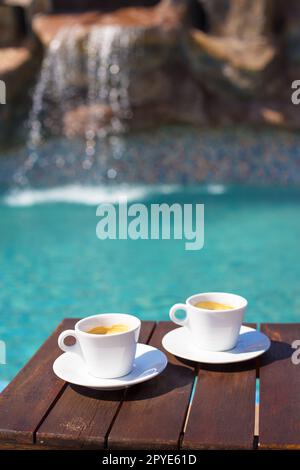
75	348
173	317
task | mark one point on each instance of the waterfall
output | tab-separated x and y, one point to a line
108	85
82	69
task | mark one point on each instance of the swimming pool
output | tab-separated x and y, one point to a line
53	266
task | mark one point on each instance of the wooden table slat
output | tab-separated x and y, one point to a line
153	414
82	417
27	399
222	413
37	406
279	423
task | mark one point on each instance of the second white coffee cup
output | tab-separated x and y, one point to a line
105	356
213	330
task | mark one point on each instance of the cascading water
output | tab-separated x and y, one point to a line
108	86
81	69
52	94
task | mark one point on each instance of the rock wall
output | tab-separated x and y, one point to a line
207	62
20	59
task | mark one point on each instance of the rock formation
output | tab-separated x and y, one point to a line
199	61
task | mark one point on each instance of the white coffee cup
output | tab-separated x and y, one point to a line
213	330
106	356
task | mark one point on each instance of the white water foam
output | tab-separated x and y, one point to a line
88	195
93	195
216	189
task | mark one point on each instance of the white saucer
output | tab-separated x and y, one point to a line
251	343
148	363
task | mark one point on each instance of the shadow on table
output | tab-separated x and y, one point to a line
229	368
278	351
181	374
173	377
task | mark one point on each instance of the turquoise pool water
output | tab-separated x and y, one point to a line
53	266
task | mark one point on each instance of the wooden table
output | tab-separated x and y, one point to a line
189	406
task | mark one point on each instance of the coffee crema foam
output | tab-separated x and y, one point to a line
108	330
209	305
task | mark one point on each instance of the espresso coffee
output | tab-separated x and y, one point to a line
108	330
213	319
208	305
